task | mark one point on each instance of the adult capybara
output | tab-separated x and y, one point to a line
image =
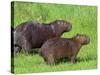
59	48
30	35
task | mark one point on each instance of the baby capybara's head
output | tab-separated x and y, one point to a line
63	25
83	39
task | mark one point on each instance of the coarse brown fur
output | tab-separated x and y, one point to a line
57	48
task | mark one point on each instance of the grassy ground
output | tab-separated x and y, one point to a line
84	21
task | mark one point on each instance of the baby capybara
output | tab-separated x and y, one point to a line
29	35
59	48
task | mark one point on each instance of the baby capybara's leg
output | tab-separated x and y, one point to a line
50	60
72	59
45	61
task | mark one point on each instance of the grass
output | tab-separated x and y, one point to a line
36	64
84	21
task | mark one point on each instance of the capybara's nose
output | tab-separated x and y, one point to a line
88	40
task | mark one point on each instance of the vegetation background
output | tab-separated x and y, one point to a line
84	21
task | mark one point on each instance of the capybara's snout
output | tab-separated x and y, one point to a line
87	41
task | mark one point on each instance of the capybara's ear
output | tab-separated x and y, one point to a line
77	34
53	23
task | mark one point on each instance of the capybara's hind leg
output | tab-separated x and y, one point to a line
16	50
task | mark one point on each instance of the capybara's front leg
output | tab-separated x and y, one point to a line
72	59
50	60
45	61
26	48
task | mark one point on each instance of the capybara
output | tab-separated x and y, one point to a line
29	35
59	48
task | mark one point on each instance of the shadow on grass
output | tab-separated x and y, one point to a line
85	59
77	60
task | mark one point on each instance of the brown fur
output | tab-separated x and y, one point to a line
57	48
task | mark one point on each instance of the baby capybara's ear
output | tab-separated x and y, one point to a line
77	36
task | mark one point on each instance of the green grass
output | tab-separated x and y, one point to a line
26	64
84	21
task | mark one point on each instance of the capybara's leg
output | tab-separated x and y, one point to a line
72	60
50	60
16	50
26	48
45	61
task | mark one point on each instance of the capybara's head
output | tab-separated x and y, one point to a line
63	25
83	39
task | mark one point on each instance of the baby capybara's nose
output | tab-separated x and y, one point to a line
88	40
